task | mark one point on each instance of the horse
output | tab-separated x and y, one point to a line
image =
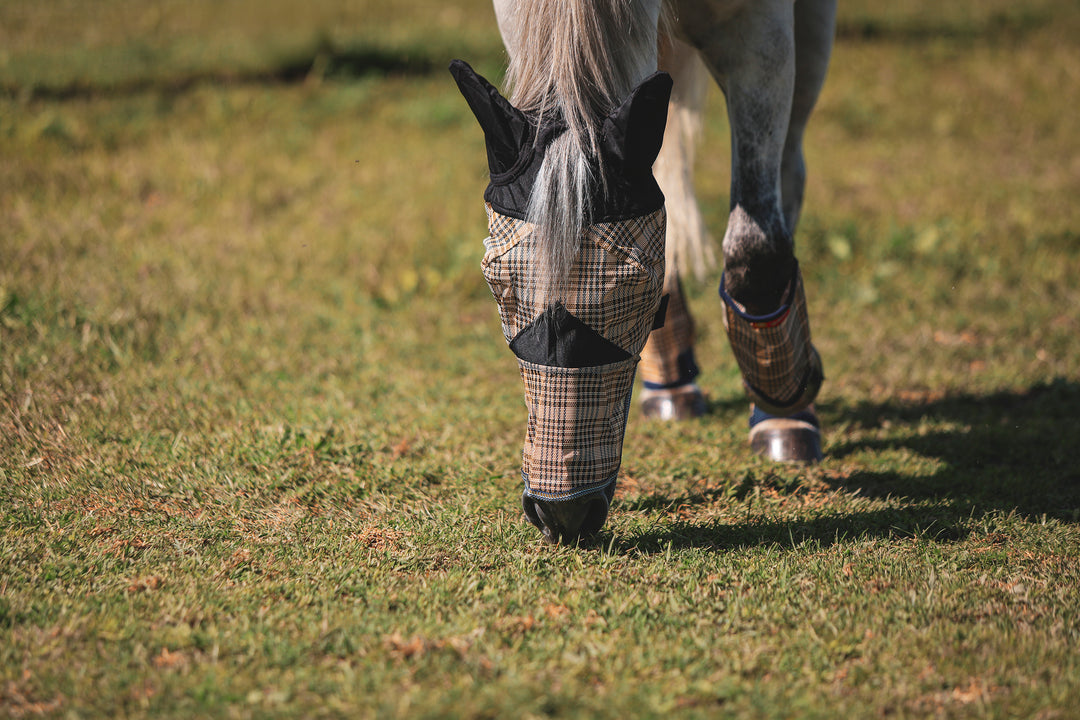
593	221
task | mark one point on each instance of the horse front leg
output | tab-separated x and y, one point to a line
668	368
815	22
752	54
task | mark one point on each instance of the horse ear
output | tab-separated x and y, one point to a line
634	133
506	129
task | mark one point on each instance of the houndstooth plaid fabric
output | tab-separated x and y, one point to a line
577	415
781	369
614	287
577	419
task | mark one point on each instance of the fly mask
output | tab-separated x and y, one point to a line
577	347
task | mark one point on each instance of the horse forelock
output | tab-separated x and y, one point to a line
574	61
578	59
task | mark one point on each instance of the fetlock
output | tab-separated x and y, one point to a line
781	369
668	367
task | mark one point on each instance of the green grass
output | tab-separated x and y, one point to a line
260	433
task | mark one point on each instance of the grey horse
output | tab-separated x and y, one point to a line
576	221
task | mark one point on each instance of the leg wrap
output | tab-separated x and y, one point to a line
667	360
781	369
577	356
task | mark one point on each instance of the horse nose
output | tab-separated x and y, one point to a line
568	521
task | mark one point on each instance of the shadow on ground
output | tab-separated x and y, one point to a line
1007	452
315	64
1017	450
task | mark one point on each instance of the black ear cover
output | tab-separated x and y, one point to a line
507	131
634	132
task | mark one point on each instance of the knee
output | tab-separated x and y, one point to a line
758	259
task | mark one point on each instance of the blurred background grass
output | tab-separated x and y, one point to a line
60	47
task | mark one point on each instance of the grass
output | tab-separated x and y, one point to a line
259	432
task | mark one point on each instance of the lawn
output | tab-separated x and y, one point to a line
260	434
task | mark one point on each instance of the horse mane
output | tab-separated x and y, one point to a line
574	61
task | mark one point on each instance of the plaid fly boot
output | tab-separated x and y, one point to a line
782	373
578	354
668	368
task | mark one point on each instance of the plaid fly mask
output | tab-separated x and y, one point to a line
577	354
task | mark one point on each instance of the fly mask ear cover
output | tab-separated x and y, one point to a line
577	355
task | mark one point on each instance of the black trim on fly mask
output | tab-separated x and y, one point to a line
558	339
630	141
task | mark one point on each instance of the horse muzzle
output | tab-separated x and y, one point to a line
577	354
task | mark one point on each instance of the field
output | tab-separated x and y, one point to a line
260	432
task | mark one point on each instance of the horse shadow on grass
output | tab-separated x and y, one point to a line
1005	452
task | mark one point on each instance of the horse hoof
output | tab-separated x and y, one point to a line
569	521
681	403
795	439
